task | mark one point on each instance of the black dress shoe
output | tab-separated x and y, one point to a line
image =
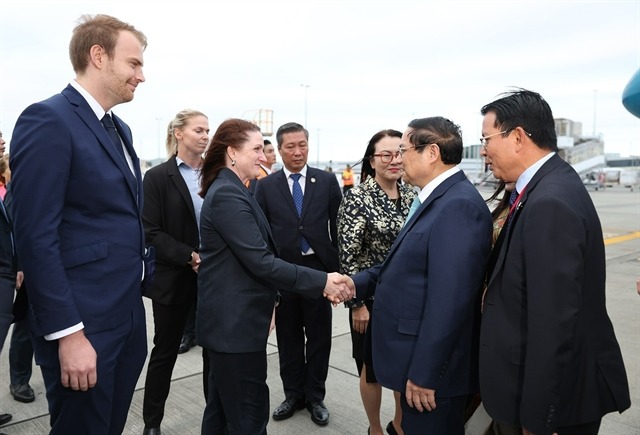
5	418
319	412
22	393
151	431
186	344
391	430
287	408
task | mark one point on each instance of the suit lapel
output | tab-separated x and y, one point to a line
88	116
133	179
283	186
181	185
261	219
499	254
126	139
309	191
437	193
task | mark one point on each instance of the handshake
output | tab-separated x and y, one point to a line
339	288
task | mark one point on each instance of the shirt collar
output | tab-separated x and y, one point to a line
267	170
431	185
302	172
93	104
528	174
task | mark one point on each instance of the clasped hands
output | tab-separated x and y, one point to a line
339	288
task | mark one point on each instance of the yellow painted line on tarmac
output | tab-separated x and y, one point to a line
623	238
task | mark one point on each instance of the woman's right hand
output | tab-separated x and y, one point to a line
360	318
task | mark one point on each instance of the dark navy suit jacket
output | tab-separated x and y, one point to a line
77	213
427	293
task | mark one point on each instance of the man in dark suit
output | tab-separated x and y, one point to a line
549	359
171	220
77	202
427	291
308	237
8	271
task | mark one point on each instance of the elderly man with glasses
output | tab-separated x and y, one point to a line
549	359
427	291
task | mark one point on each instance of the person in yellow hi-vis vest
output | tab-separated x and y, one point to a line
347	179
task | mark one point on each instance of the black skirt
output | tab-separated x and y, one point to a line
361	345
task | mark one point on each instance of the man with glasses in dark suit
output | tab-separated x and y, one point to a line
549	358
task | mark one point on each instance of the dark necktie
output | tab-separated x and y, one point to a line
513	197
296	192
512	209
108	124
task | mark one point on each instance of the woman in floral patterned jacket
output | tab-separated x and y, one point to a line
369	219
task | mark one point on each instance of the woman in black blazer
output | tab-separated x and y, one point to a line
170	218
238	281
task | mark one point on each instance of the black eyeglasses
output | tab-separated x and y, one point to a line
402	149
387	156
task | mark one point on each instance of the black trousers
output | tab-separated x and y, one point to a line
20	353
303	329
169	321
581	429
238	402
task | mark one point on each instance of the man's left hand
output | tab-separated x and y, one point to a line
420	398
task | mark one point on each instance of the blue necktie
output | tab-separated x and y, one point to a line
414	206
512	200
513	197
108	124
296	192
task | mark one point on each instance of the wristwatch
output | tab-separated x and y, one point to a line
354	303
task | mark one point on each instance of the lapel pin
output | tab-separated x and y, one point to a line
313	180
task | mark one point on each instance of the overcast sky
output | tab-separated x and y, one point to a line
365	65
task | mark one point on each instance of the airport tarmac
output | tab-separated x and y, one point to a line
619	211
